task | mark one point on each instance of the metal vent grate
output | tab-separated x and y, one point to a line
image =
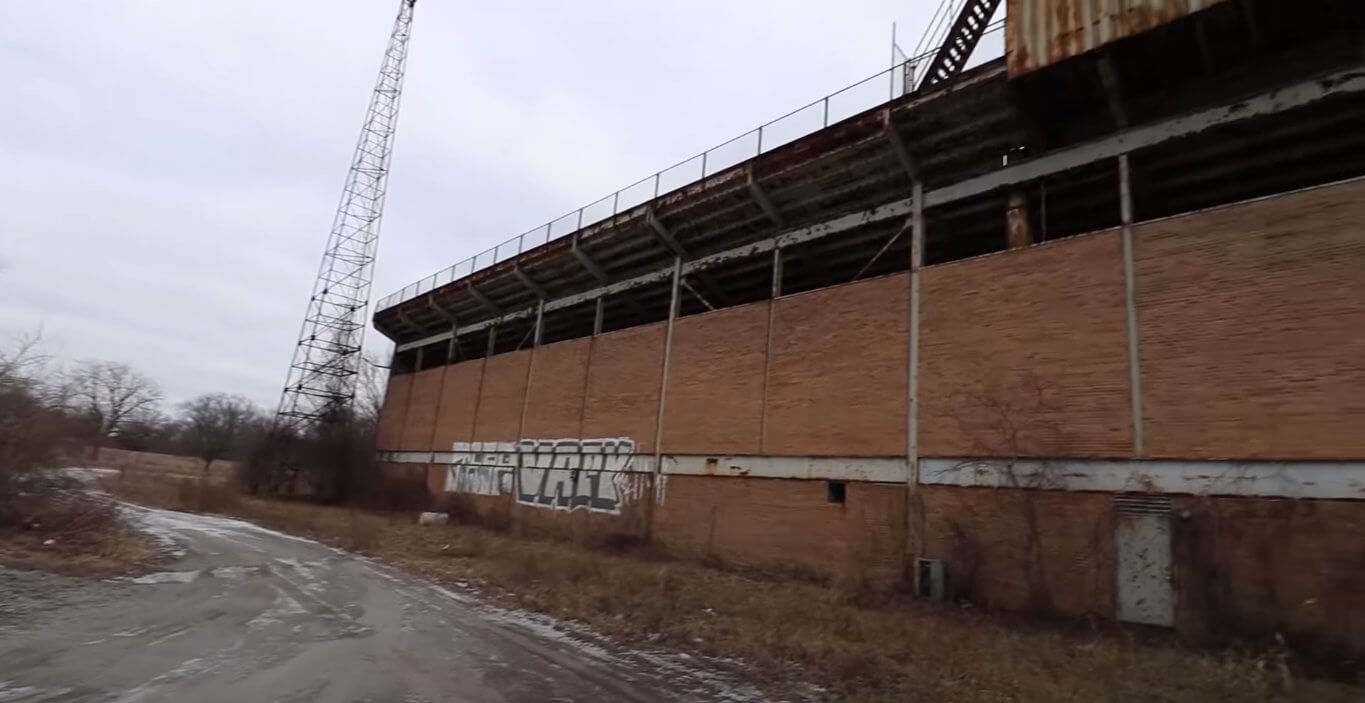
1142	504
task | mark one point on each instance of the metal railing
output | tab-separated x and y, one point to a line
878	89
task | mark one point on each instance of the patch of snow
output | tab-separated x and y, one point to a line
283	607
166	577
86	474
235	573
173	635
173	524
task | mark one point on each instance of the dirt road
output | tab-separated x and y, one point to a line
247	614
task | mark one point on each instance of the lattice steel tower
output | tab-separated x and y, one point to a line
322	375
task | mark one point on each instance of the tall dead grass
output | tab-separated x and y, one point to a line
51	523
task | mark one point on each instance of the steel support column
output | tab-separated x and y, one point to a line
663	392
914	507
1130	306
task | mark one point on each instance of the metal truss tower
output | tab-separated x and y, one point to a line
322	375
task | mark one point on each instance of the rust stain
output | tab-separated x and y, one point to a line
1042	32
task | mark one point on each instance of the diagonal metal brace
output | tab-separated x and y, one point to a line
529	282
484	300
663	234
587	261
760	196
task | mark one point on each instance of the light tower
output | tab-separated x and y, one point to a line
322	375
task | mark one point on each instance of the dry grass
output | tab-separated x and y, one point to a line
52	525
858	647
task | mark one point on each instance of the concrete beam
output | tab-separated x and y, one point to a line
1271	102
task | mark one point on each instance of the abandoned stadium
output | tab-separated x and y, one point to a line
1077	331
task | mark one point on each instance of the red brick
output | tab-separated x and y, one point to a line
420	419
837	373
389	433
459	399
554	400
983	537
786	525
502	396
1025	353
1251	320
715	382
623	385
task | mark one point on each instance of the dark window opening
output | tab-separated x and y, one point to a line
836	491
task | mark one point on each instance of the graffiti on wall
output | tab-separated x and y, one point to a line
556	474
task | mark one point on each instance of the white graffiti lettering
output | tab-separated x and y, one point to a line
556	474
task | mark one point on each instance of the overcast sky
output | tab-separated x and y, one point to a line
171	168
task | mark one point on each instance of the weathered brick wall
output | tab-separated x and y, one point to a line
1025	352
554	400
838	369
996	559
786	525
623	385
459	400
715	382
1251	321
1257	567
424	397
389	433
501	398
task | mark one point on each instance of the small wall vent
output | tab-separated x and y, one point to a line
1142	504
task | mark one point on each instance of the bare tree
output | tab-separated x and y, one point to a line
216	422
110	394
24	425
370	387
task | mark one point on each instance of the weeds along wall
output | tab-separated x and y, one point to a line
1204	396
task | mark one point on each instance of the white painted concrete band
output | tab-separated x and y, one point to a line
1267	479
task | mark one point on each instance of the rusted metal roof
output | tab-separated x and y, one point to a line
1039	33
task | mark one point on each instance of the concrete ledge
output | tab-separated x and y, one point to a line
1266	479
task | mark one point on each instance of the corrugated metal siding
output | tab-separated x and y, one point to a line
1043	32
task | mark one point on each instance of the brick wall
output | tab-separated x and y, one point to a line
1251	322
715	382
389	433
837	372
424	397
554	400
459	400
984	537
623	385
1258	567
786	525
1026	353
501	397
